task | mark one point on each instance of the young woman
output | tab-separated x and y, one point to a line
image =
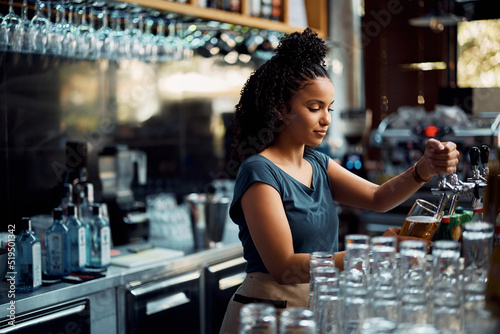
285	191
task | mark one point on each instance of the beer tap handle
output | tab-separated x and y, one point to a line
485	156
474	154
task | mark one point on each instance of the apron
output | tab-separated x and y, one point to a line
261	287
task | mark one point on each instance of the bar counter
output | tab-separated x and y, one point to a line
106	290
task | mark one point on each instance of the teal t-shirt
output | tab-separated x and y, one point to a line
311	211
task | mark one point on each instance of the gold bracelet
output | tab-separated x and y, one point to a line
417	177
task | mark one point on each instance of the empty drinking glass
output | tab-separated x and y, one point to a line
384	281
318	259
258	318
297	320
328	303
446	286
414	283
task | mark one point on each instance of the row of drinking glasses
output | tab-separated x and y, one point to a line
398	291
382	290
100	30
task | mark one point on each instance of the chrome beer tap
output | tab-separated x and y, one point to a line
455	188
479	175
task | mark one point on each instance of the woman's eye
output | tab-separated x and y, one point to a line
314	109
330	109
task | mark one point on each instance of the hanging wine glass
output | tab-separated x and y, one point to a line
117	38
55	35
90	35
103	33
149	49
23	29
9	28
161	42
69	34
38	29
134	33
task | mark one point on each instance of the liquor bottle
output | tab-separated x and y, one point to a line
444	230
266	9
76	168
255	8
77	239
58	247
85	209
477	214
100	239
28	258
66	198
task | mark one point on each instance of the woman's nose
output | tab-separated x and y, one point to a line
326	118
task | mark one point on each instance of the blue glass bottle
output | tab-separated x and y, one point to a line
77	239
100	253
57	246
85	215
28	258
85	208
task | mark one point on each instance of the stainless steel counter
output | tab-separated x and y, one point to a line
115	277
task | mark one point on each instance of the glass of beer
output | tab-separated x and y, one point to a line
421	221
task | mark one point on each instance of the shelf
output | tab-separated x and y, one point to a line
316	15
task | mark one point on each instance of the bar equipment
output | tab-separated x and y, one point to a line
128	217
208	213
454	188
401	136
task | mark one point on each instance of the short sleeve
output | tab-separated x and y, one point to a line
254	169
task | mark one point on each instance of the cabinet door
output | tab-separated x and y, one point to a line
168	305
221	281
73	316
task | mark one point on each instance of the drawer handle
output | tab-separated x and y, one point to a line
166	303
231	281
44	319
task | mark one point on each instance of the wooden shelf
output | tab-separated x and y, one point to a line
316	15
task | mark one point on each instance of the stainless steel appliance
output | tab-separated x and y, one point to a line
72	315
221	281
401	136
170	302
118	168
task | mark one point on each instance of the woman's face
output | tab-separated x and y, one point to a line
308	115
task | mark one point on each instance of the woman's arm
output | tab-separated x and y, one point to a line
352	190
271	234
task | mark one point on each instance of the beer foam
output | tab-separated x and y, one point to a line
421	219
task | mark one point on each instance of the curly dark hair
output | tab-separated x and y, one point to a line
299	58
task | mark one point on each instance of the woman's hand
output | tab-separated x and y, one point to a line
439	157
394	232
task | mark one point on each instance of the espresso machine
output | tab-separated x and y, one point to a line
119	167
355	126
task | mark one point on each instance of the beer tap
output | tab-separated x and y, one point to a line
485	156
479	175
455	188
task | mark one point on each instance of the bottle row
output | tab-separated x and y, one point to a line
71	245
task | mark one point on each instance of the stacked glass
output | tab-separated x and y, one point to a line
414	288
384	281
356	292
318	259
446	286
297	320
258	318
327	303
477	248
